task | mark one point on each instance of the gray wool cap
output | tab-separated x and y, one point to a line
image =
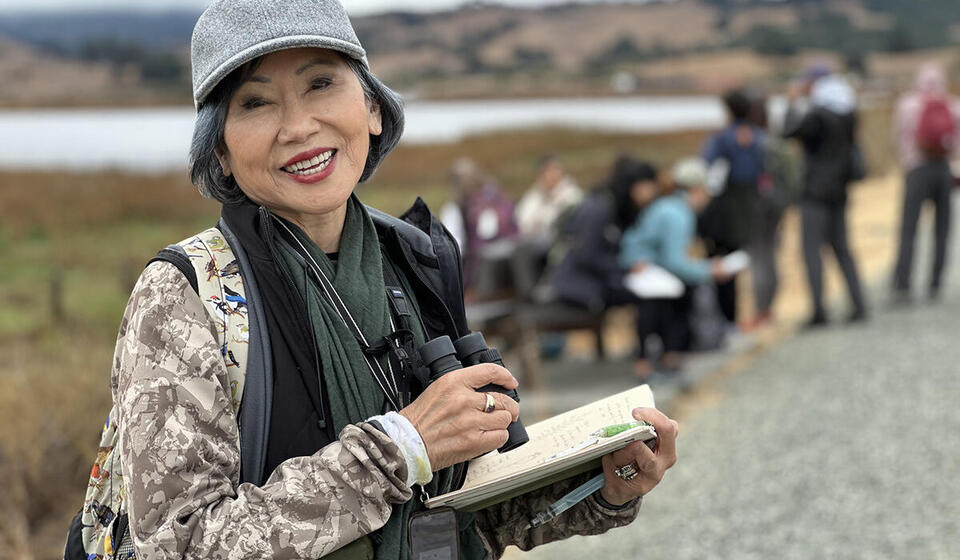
231	33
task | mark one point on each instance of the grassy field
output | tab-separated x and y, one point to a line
71	247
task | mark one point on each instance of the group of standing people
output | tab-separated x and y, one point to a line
729	199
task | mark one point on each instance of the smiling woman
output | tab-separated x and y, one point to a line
297	135
267	397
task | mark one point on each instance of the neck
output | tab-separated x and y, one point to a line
323	229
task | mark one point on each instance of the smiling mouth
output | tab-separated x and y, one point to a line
311	166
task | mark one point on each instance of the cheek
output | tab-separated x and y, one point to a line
249	148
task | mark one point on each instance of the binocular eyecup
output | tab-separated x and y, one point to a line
441	356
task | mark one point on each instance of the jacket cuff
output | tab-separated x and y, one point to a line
610	509
411	445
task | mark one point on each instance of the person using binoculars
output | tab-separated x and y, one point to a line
343	425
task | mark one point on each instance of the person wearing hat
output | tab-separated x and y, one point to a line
663	236
289	121
826	129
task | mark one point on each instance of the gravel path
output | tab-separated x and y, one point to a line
840	443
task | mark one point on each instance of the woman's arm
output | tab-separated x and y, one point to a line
505	524
181	454
676	233
615	505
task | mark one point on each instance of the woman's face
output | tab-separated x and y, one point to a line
643	192
298	131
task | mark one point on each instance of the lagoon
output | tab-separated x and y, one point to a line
156	140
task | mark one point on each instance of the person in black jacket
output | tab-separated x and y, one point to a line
590	274
827	131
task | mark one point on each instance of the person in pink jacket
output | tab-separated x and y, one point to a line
925	133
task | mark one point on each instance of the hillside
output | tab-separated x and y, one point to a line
491	50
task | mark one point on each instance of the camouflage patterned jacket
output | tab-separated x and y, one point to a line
180	451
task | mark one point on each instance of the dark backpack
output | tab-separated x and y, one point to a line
937	128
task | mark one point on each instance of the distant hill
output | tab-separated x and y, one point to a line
487	49
66	32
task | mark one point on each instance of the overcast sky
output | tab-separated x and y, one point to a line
355	7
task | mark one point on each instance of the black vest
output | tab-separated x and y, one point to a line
286	371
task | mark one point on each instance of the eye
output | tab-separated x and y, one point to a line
253	102
320	83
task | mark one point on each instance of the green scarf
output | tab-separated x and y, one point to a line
353	393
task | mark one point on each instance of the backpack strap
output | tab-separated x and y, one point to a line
175	255
256	410
211	266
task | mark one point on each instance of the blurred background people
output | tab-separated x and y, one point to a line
730	223
663	235
777	188
479	215
540	214
590	274
925	133
552	195
827	132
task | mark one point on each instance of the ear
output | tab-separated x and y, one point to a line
374	120
224	160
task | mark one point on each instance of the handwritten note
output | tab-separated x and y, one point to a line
500	472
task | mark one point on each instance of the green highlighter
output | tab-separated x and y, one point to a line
610	431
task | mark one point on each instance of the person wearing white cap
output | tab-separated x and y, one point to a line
662	236
334	439
827	131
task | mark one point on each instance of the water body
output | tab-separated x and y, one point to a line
155	140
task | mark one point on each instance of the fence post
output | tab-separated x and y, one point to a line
56	295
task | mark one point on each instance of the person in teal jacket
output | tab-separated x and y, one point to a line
662	236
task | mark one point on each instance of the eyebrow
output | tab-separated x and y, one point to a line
312	63
301	70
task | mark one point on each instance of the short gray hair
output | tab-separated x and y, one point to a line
205	170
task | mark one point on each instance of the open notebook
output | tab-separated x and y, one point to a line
551	454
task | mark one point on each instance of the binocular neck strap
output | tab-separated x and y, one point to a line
384	378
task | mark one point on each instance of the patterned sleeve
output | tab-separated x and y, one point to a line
503	524
180	449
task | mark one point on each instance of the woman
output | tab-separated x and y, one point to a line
663	236
289	121
589	274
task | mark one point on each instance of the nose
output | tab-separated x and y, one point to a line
296	124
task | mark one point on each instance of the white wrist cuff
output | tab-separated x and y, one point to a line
408	439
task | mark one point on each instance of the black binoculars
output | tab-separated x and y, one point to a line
441	356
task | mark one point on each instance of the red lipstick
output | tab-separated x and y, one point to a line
323	168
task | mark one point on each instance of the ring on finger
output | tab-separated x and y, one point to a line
627	472
491	403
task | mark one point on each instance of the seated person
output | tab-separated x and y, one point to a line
481	217
552	195
663	236
589	274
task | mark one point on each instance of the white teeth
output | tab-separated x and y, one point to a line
312	170
309	166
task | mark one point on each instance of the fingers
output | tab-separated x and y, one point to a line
493	439
666	428
497	420
484	374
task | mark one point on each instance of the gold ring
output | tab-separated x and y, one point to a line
627	472
491	403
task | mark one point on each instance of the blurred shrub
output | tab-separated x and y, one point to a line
54	396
